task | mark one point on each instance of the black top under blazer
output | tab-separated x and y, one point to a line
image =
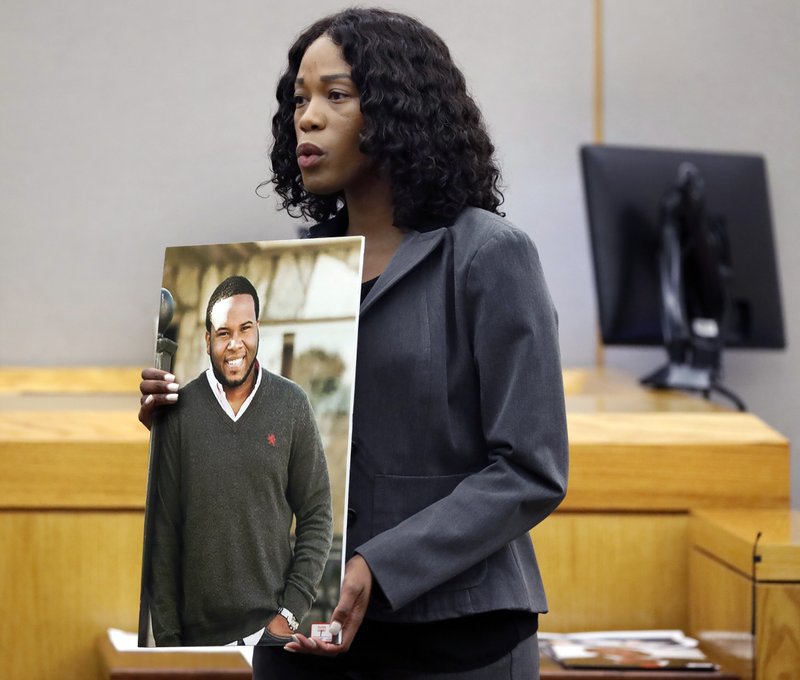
459	430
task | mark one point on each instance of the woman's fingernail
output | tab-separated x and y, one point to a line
171	397
287	649
173	387
295	638
169	377
335	628
148	399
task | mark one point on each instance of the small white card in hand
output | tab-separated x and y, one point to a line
321	631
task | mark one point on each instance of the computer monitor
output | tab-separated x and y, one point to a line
625	188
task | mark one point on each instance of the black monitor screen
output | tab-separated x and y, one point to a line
624	189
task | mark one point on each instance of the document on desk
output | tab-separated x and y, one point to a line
637	649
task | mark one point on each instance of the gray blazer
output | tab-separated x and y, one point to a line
459	430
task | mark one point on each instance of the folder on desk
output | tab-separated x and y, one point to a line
631	650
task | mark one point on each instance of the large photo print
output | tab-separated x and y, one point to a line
247	486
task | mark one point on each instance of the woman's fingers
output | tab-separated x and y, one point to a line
158	388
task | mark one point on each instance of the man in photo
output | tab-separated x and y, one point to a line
239	459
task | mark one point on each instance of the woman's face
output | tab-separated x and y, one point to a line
327	121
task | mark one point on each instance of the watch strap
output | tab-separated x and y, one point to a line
290	618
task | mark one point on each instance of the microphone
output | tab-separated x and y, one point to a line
166	310
165	348
165	352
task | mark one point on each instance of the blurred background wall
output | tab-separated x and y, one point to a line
128	127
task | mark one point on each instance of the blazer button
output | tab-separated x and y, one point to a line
352	516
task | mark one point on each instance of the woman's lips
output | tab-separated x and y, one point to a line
308	161
308	155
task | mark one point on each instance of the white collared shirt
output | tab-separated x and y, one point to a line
219	393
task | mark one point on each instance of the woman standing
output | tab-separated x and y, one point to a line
459	433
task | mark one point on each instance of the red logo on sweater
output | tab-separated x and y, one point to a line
271	439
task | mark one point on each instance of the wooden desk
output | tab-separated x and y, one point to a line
603	390
726	584
73	462
75	380
73	467
231	666
615	553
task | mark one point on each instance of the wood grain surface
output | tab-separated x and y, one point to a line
72	459
675	461
730	535
722	587
778	630
64	577
69	380
72	488
720	613
606	571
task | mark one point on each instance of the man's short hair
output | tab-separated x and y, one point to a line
233	285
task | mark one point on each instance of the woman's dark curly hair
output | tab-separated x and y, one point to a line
419	120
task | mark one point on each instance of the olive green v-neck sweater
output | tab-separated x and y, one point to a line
222	558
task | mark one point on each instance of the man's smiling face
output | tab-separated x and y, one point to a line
232	342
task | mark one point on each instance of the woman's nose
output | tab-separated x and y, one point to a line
312	117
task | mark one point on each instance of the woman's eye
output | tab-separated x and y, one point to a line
299	100
335	96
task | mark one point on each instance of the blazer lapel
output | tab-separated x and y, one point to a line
414	248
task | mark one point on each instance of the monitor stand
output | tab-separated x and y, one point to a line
703	379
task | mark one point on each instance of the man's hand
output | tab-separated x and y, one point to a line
157	388
349	613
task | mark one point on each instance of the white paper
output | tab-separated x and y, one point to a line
123	641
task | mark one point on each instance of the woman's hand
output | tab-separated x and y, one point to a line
158	388
348	615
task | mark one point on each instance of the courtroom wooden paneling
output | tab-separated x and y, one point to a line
673	461
65	576
72	459
778	630
725	577
720	615
72	489
69	380
614	555
613	571
730	534
618	461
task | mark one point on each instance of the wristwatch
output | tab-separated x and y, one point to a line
286	614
